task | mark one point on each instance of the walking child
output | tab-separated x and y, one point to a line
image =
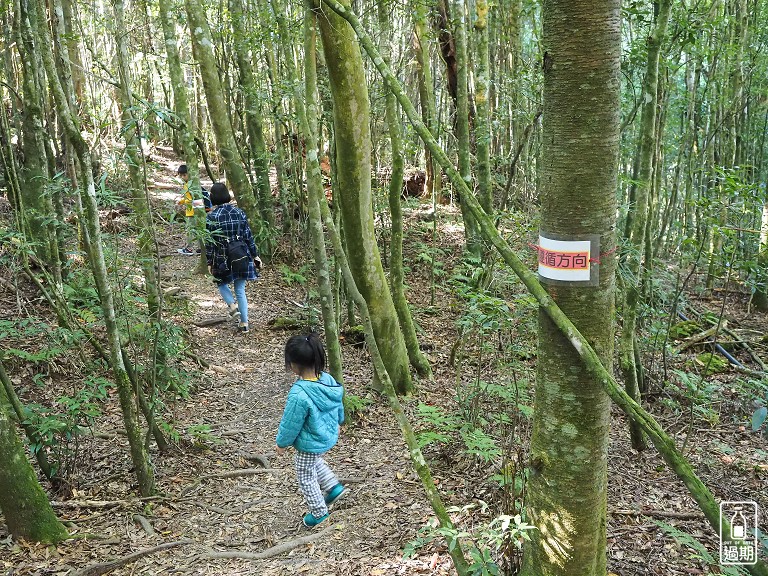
190	204
310	423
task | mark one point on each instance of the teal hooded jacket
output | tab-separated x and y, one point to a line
313	412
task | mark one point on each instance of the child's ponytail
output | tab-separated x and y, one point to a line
306	351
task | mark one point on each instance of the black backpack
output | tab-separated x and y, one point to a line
237	253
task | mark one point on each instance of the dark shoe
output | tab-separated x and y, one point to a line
185	251
310	521
243	328
234	311
335	494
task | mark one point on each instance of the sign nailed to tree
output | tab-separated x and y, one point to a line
569	261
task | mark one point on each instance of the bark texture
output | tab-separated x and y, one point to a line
569	444
351	120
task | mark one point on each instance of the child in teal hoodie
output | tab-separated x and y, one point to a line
310	423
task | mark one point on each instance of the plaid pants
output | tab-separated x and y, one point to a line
315	478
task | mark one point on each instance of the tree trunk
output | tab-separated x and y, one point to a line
219	115
482	116
36	209
308	121
396	275
351	119
253	118
182	110
638	216
426	95
461	124
23	502
569	444
145	230
96	260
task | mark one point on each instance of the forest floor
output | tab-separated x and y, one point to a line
235	408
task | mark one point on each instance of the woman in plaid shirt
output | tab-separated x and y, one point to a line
226	222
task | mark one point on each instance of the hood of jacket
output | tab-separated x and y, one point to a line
325	393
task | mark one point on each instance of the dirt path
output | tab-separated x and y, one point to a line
240	398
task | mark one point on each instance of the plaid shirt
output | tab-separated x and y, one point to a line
225	223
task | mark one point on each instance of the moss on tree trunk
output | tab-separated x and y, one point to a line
351	120
23	502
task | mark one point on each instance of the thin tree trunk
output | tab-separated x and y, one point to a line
220	119
638	217
461	123
36	208
98	265
414	451
253	118
182	110
482	116
308	121
134	160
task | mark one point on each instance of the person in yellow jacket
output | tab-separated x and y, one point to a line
190	203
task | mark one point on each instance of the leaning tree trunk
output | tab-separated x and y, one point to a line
70	123
638	216
308	122
24	504
219	114
351	120
181	108
569	443
417	359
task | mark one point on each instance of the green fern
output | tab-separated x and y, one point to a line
700	551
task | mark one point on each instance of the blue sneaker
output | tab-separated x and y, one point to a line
310	520
335	494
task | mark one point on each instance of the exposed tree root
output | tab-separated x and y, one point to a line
274	550
227	474
105	567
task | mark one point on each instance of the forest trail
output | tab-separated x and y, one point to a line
233	411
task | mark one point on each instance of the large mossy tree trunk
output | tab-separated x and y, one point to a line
202	48
638	216
23	502
566	496
396	274
308	122
87	194
351	121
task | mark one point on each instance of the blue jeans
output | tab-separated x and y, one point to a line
242	303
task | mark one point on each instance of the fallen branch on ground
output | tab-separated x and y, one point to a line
104	567
275	550
227	474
